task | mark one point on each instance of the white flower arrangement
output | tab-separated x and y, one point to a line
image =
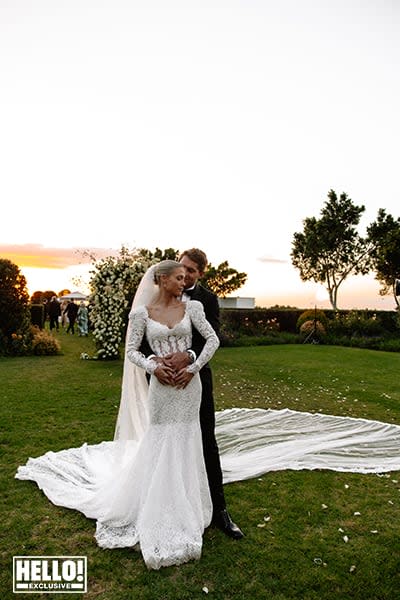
113	283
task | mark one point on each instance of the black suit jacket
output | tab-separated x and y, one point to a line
211	308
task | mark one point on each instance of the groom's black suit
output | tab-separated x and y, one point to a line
207	410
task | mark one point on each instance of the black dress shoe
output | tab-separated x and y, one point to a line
223	521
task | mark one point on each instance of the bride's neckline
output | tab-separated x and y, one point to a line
166	324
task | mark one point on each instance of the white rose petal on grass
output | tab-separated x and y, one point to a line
352	568
374	531
357	514
345	539
346	487
261	525
205	589
324	506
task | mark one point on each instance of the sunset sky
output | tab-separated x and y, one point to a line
220	124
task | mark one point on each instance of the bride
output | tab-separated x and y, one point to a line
148	488
154	495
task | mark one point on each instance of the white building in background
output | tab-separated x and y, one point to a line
237	302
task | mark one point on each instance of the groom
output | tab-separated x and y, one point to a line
195	263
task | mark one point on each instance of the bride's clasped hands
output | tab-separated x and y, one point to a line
172	369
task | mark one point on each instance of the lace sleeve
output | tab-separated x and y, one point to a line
136	331
198	319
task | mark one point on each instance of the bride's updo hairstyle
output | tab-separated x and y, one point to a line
165	267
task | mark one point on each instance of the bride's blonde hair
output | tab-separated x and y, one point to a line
165	267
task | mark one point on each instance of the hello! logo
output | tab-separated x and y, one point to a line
56	574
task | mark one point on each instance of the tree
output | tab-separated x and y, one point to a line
37	297
223	280
14	311
63	292
384	235
48	295
329	249
159	255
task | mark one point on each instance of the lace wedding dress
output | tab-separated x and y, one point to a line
152	495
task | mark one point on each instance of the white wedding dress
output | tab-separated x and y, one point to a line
149	488
152	494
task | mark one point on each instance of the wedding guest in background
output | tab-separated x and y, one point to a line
83	319
71	312
64	318
54	312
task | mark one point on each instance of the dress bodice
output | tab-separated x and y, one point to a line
164	340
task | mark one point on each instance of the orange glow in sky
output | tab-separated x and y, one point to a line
271	283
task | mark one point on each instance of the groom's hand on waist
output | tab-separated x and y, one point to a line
177	361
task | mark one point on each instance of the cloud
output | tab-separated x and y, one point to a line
272	260
38	256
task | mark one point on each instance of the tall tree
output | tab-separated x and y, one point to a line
223	280
14	312
384	235
329	249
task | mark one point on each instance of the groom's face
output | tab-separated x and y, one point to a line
192	273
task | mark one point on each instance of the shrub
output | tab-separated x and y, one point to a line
357	324
309	326
227	336
390	345
267	340
312	315
19	344
43	343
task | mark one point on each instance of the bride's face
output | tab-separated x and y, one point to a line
175	282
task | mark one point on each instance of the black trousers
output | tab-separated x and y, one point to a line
54	322
210	446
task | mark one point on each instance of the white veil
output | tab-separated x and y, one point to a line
133	417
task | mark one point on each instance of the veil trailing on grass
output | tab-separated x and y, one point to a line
255	441
133	416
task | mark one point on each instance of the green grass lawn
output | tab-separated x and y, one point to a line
294	522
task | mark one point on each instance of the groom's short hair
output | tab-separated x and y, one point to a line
197	256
